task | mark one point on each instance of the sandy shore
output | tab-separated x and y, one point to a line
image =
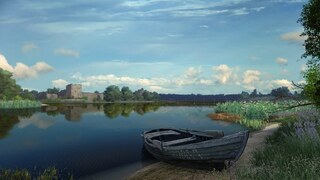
166	171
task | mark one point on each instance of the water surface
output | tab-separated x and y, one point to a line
87	140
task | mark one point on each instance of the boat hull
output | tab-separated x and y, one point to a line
219	150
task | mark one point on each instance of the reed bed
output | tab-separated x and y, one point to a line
255	115
19	104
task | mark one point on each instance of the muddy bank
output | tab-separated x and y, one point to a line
166	171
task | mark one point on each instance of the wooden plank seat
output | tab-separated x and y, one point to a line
178	141
161	133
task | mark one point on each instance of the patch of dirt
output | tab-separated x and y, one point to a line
166	171
224	117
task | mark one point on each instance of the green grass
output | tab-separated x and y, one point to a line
252	124
19	104
23	174
255	115
289	154
249	110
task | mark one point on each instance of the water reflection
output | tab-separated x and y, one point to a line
8	118
114	110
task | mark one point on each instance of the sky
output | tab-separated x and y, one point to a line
167	46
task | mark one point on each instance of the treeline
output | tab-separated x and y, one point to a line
113	94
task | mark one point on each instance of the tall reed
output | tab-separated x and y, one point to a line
19	104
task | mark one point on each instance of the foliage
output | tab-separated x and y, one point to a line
310	20
252	124
127	94
49	173
311	89
292	152
280	92
249	110
19	104
8	86
53	90
112	93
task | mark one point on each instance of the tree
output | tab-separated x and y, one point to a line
310	20
245	94
280	92
254	93
127	94
138	95
54	90
8	87
26	94
112	93
311	90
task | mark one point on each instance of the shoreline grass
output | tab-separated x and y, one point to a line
19	104
292	152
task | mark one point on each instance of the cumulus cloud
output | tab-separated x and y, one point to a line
27	47
193	72
4	64
281	82
67	52
282	61
293	37
59	83
223	74
251	76
22	71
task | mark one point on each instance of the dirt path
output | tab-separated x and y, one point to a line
170	172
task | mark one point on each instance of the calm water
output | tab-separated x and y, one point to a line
92	141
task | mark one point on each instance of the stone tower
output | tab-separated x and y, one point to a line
74	91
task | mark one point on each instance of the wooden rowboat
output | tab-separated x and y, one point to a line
195	146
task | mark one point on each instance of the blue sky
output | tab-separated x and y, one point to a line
168	46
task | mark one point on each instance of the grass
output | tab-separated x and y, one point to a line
292	152
252	124
49	173
255	115
19	104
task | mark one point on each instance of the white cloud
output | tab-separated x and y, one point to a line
258	9
4	64
223	74
281	82
59	83
193	72
242	11
204	26
282	61
251	76
198	13
293	37
27	47
22	71
67	52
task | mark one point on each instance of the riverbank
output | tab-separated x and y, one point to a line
163	170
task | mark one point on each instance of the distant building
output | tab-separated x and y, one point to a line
51	96
73	91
